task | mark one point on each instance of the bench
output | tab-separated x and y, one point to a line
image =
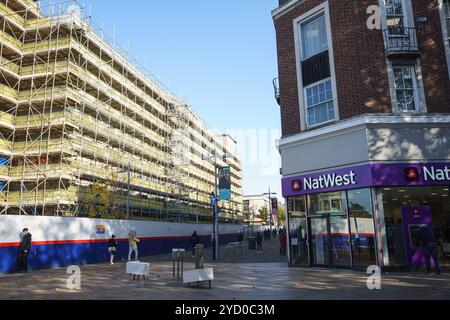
138	269
198	276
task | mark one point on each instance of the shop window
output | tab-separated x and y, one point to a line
362	228
298	231
430	207
327	203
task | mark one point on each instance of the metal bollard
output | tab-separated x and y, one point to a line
178	261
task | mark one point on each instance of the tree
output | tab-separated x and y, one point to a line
104	199
264	214
281	218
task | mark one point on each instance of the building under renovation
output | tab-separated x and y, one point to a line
83	129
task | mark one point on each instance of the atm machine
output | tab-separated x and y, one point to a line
414	219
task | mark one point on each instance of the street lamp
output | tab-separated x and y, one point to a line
270	194
214	204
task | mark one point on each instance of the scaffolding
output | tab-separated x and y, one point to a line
76	111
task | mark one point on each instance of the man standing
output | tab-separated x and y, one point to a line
430	248
24	250
195	240
259	240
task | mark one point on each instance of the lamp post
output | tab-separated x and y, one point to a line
214	205
270	209
128	171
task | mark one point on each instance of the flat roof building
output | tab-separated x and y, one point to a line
85	132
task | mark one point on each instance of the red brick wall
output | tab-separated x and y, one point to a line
287	68
433	59
360	64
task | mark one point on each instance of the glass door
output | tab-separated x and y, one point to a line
330	241
362	229
320	242
298	232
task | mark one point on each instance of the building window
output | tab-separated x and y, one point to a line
406	88
395	17
314	37
319	103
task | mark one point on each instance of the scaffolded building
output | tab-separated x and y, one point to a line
76	113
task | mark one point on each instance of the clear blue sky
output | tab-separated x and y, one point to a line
219	54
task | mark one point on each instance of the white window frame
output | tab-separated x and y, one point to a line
309	107
300	33
405	15
409	23
445	34
415	88
323	8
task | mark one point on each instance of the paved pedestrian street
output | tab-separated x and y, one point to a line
244	280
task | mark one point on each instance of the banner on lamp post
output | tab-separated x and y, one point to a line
275	207
225	183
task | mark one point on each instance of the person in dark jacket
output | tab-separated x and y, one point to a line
259	240
430	248
24	250
112	248
195	240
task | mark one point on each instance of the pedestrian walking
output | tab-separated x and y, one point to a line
112	248
430	248
259	240
195	240
133	243
24	250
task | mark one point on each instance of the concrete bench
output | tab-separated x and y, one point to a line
139	269
198	276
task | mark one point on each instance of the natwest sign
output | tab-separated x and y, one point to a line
435	174
340	179
369	175
330	181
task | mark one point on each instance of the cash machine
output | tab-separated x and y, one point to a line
414	219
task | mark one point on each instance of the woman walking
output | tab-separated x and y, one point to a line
133	242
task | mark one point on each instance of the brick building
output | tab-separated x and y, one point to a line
364	94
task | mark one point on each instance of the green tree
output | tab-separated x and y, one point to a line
104	199
281	218
264	214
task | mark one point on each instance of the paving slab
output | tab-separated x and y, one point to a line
250	279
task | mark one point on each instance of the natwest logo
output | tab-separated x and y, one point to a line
412	174
296	186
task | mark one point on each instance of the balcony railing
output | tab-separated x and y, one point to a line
401	41
276	88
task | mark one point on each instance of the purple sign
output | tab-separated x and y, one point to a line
369	175
414	220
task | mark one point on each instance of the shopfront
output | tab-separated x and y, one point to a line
367	215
